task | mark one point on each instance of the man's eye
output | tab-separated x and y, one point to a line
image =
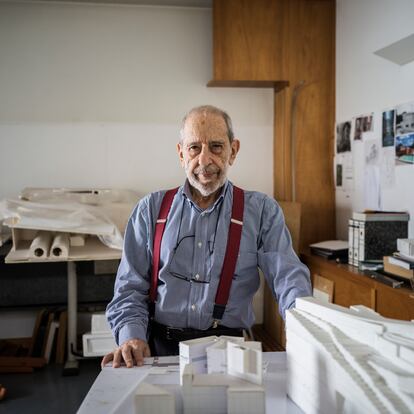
216	148
193	148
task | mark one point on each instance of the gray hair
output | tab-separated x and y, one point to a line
209	109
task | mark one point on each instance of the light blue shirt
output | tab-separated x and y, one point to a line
192	254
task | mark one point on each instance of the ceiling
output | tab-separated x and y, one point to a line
176	3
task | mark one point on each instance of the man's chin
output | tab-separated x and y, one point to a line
205	189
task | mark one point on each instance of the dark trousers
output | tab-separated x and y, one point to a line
164	340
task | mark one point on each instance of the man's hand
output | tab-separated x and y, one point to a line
132	351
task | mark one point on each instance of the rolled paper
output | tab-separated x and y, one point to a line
60	246
40	245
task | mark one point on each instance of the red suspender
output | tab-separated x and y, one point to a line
159	231
232	252
230	259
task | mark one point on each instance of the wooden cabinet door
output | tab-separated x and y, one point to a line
348	293
248	39
396	303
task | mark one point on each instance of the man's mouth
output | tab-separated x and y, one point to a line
206	173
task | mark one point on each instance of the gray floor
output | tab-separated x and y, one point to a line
47	391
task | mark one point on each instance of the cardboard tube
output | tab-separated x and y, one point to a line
41	245
60	246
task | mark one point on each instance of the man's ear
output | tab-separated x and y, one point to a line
235	146
180	154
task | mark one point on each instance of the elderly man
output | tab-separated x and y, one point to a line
191	255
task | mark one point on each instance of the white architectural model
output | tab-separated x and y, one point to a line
217	354
349	360
218	376
147	395
100	340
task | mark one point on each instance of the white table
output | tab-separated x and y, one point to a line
93	251
114	388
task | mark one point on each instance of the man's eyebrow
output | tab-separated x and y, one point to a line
217	141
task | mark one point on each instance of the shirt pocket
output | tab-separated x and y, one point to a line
246	265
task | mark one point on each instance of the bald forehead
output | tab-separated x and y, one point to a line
204	126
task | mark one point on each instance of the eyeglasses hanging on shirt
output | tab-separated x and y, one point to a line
181	258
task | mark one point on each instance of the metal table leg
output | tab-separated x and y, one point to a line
72	364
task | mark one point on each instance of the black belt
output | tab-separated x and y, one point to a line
184	334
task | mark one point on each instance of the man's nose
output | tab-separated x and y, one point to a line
204	158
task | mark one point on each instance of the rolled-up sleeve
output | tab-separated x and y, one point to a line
127	313
285	274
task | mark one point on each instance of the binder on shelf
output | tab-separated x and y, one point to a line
377	234
379	238
351	241
356	242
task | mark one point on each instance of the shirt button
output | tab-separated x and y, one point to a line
197	276
200	244
193	307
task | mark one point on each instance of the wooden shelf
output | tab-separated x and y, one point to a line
276	85
352	287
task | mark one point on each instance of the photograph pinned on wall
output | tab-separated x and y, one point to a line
344	172
363	123
372	176
387	167
343	137
404	149
339	175
388	128
404	119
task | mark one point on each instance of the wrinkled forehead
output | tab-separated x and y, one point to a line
204	126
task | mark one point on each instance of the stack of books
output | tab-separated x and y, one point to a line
401	264
373	235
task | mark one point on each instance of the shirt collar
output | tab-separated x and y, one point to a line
186	191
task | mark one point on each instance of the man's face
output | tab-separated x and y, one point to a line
205	152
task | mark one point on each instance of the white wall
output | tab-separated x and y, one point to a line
93	95
368	83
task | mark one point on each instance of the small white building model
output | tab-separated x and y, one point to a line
348	360
237	390
218	375
194	352
217	354
151	399
100	340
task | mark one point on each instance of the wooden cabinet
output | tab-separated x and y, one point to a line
248	40
351	287
288	45
348	287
